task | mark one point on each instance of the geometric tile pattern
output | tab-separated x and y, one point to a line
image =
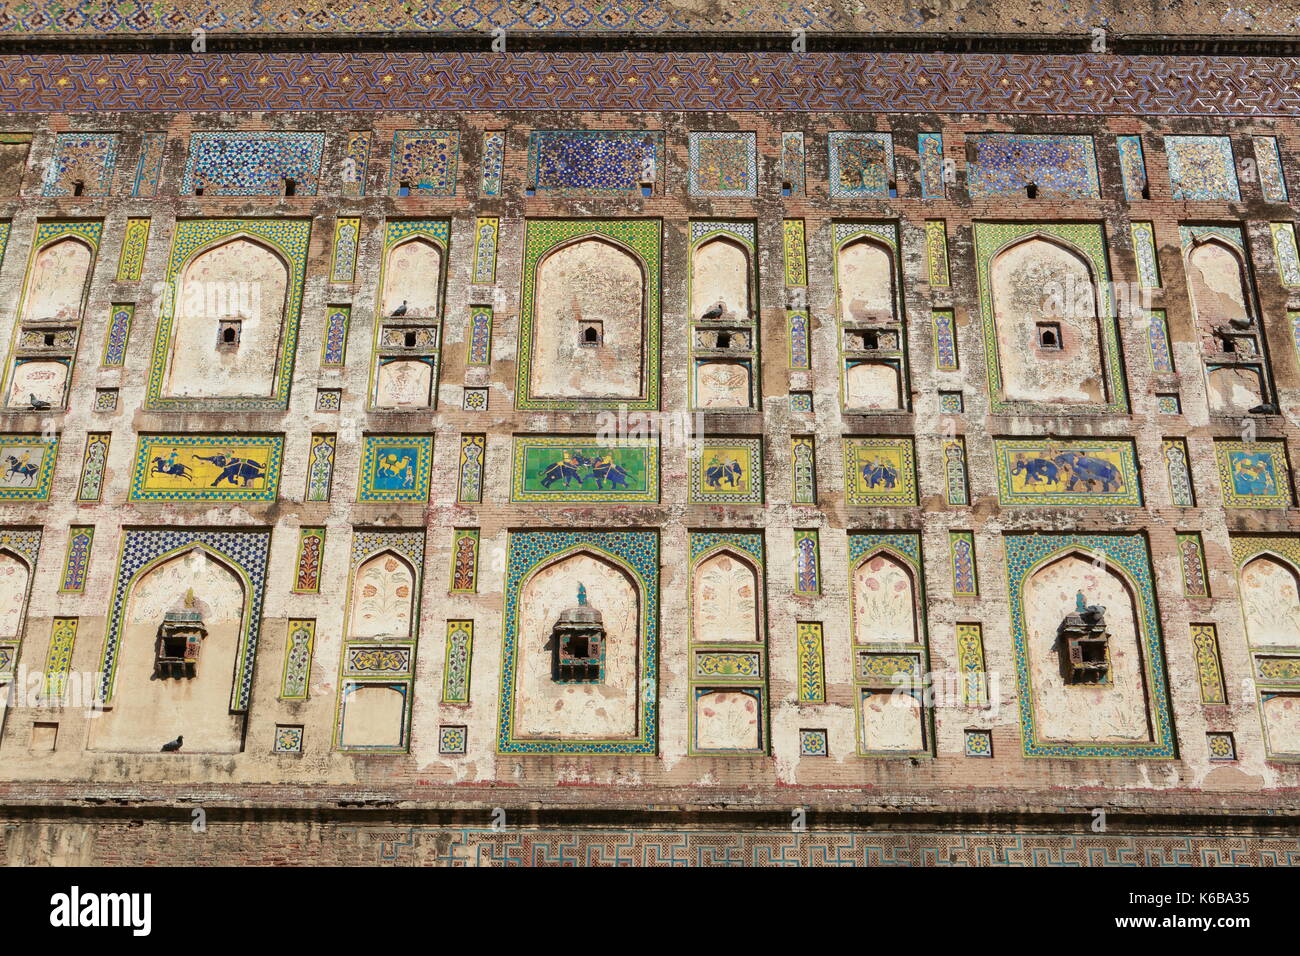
87	159
1007	163
252	163
453	739
288	739
812	743
593	162
979	743
76	563
1201	167
1221	746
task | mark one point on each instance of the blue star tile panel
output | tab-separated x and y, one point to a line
723	164
253	163
1201	167
861	164
27	467
207	468
1007	163
1067	472
593	162
395	468
424	162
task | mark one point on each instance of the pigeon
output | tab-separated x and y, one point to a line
715	312
38	404
1268	408
173	745
1241	322
400	310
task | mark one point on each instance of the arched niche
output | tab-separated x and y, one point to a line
15	576
149	710
1216	275
872	385
383	597
413	274
598	711
720	273
587	284
46	380
728	720
1116	710
1270	601
867	284
1045	313
723	385
404	383
885	600
725	600
891	721
229	322
56	287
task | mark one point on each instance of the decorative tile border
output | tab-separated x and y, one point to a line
880	471
729	470
456	662
1005	164
1253	474
252	162
27	467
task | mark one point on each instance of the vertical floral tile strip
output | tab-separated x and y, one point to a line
464	561
1201	167
954	465
812	670
135	240
480	335
804	469
356	164
1132	165
76	561
320	467
1144	251
1268	161
970	663
723	164
311	555
1191	555
945	340
1180	475
148	170
1284	248
798	324
473	448
120	317
929	152
965	579
1162	356
494	155
58	660
338	318
807	563
485	249
792	163
347	233
456	665
295	682
93	463
1209	669
936	252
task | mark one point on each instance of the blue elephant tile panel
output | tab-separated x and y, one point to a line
395	468
1069	472
207	468
1253	474
880	471
728	470
584	469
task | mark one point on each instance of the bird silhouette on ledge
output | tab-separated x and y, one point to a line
172	746
714	312
400	310
38	404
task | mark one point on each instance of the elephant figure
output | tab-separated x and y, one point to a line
1089	470
875	473
1036	470
605	471
234	470
723	471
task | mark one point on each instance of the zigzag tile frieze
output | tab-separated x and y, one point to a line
840	82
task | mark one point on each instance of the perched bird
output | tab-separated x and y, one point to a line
38	404
173	745
400	310
1241	322
1268	408
714	312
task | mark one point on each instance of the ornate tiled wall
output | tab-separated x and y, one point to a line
655	154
